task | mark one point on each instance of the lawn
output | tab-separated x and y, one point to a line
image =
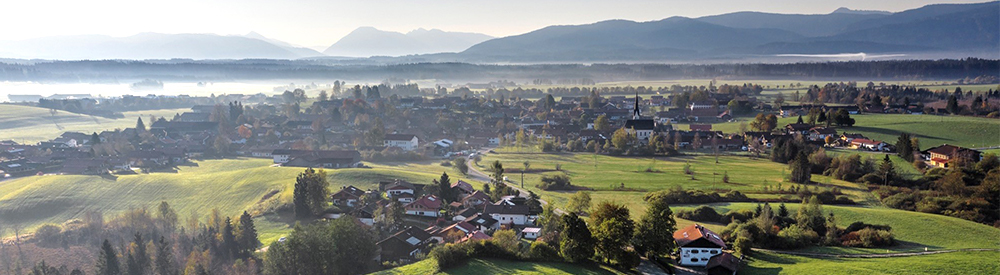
977	262
25	124
497	266
932	130
232	186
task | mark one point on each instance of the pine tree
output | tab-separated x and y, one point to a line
107	262
229	246
444	187
886	170
164	258
247	238
904	147
800	169
139	126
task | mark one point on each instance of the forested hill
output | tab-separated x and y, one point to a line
180	70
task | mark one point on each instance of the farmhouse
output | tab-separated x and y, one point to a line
405	142
508	214
820	133
697	244
723	264
873	145
317	159
942	155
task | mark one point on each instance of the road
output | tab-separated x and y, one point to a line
476	174
877	255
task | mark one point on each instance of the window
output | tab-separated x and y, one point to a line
704	251
703	259
694	260
715	252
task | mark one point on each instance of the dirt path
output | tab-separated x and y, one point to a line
879	255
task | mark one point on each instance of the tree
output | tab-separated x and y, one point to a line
654	231
550	102
579	202
338	247
602	123
309	196
782	210
621	139
246	237
904	147
952	106
139	126
229	246
497	172
138	255
886	170
801	170
323	96
461	165
107	261
576	243
613	231
843	118
164	258
444	186
167	215
375	136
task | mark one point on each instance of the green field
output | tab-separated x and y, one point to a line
748	176
232	186
932	130
28	125
979	262
497	266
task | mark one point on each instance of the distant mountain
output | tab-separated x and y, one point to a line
147	46
368	41
812	25
297	50
622	39
942	30
861	12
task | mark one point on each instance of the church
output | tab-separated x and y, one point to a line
641	128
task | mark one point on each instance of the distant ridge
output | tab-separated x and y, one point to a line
369	41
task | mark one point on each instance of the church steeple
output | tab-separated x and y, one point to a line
635	111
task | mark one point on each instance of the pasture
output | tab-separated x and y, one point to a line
932	130
231	185
972	262
26	124
498	266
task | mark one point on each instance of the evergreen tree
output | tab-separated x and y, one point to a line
247	238
886	170
782	210
444	187
94	139
800	120
139	126
904	147
164	258
300	197
229	247
800	168
139	254
952	106
107	261
654	232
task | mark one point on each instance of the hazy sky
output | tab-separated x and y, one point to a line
320	23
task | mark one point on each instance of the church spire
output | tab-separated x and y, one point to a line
635	110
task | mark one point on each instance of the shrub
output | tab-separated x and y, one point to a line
701	214
871	237
737	215
797	237
555	182
49	234
541	251
736	196
742	245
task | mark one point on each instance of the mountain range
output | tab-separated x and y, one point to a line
369	41
950	30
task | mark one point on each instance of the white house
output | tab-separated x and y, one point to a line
427	206
508	214
405	142
698	245
400	191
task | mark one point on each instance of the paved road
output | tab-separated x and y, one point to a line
482	177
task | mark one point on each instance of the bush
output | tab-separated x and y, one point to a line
868	237
541	251
737	215
736	196
797	237
742	245
701	214
49	235
555	182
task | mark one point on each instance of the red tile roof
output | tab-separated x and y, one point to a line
694	232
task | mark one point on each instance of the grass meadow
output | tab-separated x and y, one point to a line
26	125
498	266
231	185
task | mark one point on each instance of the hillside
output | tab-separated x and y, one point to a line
25	124
369	41
146	46
497	266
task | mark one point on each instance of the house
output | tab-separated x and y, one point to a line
483	222
848	137
820	133
442	235
943	155
697	244
872	145
701	127
531	233
405	142
475	236
404	245
398	190
147	158
347	196
476	200
428	206
508	214
463	214
317	158
462	188
800	128
723	264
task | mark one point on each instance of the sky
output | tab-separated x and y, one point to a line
319	23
